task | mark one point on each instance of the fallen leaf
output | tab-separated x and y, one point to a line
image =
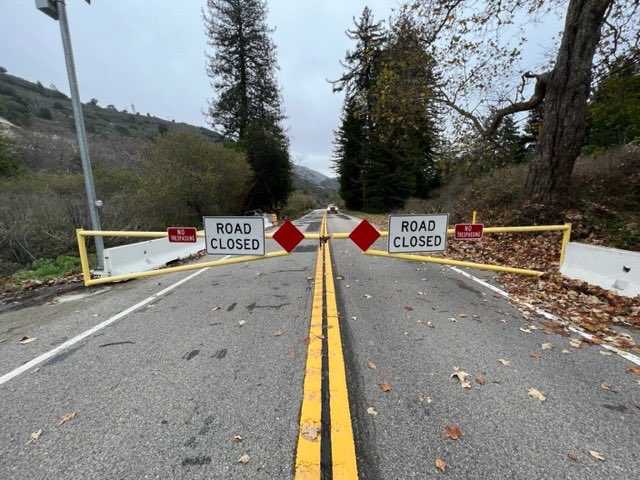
462	377
608	388
453	432
605	352
504	362
575	342
310	432
525	330
25	340
480	380
597	455
367	296
535	355
424	398
572	456
385	387
462	315
537	394
441	464
278	333
633	370
241	322
216	308
371	365
35	436
237	438
564	350
547	346
408	308
67	417
244	458
372	411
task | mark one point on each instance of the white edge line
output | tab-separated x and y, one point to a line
626	355
87	333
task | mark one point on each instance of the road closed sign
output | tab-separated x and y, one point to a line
418	233
234	235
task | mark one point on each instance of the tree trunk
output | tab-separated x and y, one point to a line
565	103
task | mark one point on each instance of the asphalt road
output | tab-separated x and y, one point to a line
212	371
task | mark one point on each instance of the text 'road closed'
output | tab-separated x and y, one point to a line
234	235
418	233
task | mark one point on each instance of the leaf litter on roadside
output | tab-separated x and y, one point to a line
537	394
453	432
67	417
462	376
385	387
597	455
441	464
35	436
25	340
310	432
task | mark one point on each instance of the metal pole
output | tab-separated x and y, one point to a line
80	130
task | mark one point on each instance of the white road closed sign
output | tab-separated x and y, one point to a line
234	235
418	233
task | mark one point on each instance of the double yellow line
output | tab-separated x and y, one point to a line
308	453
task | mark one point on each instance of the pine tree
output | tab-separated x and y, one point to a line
247	104
348	156
358	82
509	144
405	113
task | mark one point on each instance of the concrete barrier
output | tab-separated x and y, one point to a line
152	254
611	268
147	255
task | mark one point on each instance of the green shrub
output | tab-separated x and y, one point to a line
186	177
47	268
124	131
45	114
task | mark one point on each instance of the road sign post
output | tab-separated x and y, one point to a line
57	10
418	233
234	235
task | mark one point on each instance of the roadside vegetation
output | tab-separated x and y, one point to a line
149	172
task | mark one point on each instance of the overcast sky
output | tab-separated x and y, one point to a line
151	54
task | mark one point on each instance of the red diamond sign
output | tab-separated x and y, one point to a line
288	236
364	235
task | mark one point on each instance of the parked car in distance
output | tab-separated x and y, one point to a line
332	209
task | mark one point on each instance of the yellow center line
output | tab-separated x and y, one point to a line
307	466
343	451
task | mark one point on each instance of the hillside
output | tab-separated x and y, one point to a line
43	127
322	188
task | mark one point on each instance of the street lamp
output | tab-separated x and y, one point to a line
57	10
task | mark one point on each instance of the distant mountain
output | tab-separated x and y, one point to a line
316	178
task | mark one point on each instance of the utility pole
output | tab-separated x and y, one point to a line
57	10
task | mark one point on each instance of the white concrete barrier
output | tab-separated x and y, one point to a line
152	254
611	268
147	255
